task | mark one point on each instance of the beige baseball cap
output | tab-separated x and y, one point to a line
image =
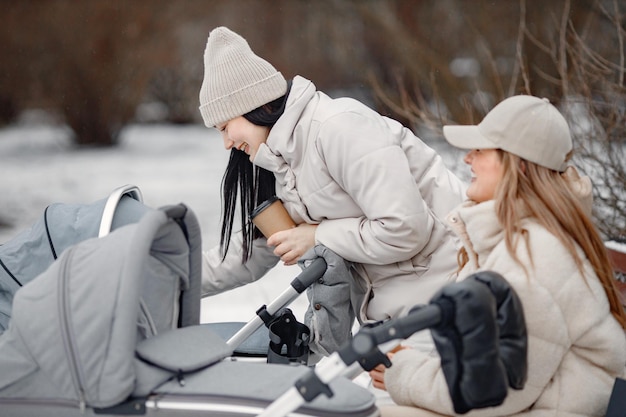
526	126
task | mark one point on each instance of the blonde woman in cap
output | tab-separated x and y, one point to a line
528	218
358	183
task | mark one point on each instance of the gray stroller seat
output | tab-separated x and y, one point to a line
87	336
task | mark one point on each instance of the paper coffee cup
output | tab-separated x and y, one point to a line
270	217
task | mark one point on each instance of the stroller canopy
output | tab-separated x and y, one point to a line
74	328
32	251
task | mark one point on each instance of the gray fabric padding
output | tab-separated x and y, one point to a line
176	353
267	382
72	223
191	298
233	383
102	280
333	302
188	349
81	313
31	251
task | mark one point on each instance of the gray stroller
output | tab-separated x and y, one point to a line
111	327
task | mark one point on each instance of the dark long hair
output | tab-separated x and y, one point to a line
247	183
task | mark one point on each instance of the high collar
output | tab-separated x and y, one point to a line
480	231
478	228
286	146
284	143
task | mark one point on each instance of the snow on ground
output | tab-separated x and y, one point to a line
170	164
616	246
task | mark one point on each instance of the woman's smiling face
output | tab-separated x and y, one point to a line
243	135
487	172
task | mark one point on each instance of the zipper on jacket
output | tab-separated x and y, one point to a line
67	334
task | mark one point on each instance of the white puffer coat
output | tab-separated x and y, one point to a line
378	193
576	348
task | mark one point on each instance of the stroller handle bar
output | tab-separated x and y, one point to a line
369	338
111	205
482	310
365	351
314	271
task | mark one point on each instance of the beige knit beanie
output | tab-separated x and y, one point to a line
236	81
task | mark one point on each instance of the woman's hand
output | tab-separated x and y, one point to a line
291	244
378	374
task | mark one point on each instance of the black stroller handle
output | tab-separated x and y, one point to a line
478	329
365	351
366	342
314	271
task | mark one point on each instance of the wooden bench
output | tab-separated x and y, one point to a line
617	255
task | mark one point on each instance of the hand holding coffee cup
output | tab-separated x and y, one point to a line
270	217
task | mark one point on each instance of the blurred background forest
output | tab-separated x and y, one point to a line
97	66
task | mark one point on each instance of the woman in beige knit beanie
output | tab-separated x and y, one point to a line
355	182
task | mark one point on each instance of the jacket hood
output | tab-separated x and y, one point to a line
479	219
581	187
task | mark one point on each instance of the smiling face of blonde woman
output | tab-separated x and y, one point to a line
239	133
487	171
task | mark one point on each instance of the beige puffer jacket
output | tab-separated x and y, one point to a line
576	347
378	193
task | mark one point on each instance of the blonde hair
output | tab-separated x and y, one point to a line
546	196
